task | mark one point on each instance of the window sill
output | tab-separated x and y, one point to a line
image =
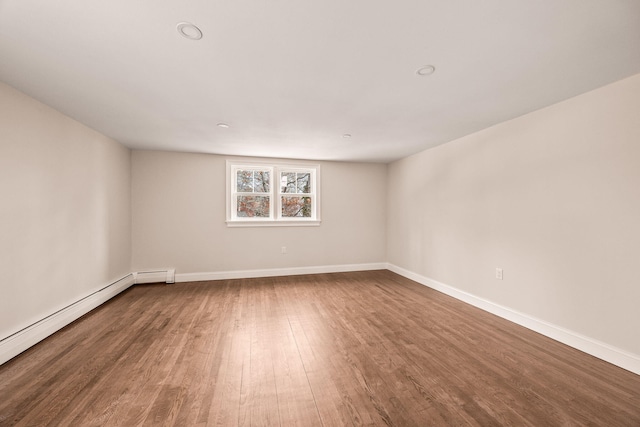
267	223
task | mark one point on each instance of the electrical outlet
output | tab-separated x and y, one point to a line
499	273
283	250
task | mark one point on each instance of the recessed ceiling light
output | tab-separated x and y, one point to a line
222	125
346	135
188	30
426	70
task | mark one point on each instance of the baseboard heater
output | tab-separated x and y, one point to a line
19	341
156	276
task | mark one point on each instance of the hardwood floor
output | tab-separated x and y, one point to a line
366	348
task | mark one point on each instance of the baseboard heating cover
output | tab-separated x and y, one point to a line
16	343
167	275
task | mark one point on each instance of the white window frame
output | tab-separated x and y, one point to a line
275	205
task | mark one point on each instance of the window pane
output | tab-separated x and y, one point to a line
252	181
304	182
288	182
261	181
253	206
296	207
244	180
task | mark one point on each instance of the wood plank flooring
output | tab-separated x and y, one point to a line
365	348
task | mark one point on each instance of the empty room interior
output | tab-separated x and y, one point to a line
282	213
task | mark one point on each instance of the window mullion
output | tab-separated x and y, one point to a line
278	194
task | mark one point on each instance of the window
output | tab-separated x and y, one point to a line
260	194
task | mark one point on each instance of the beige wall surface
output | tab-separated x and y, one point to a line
179	218
552	197
65	214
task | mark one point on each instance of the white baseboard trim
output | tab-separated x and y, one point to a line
606	352
18	342
271	272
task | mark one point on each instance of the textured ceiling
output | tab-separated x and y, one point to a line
291	77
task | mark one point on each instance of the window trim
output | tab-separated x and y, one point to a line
275	205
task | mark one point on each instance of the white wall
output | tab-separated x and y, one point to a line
179	219
65	210
552	197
